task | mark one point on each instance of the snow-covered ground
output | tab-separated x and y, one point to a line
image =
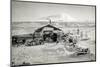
48	53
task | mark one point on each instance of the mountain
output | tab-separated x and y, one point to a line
60	18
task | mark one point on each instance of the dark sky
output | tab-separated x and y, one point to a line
30	11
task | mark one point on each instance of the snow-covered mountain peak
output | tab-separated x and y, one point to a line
59	17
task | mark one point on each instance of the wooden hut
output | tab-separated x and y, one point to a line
48	33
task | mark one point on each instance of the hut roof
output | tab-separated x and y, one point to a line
40	29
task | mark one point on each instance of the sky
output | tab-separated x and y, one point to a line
32	11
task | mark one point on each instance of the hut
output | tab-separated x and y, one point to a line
48	33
